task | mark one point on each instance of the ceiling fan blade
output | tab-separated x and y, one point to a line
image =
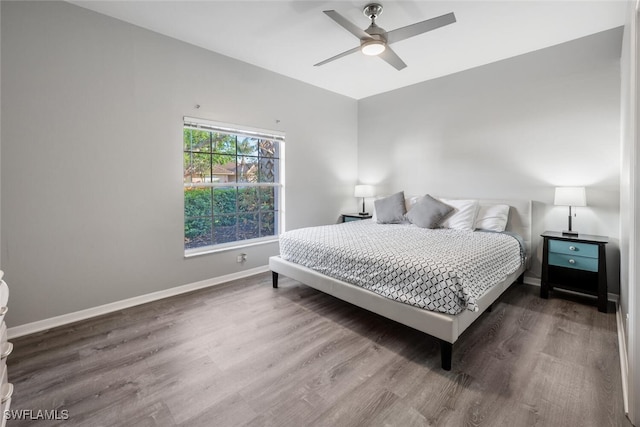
392	58
347	25
420	27
340	55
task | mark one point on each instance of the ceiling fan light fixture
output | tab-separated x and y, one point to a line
373	47
374	39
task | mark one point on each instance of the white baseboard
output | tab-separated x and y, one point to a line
531	281
42	325
624	361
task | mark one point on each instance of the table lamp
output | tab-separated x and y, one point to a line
363	191
572	197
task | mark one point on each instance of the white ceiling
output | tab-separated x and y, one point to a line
288	37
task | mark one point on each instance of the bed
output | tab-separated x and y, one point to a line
364	288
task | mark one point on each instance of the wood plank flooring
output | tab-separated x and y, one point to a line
244	354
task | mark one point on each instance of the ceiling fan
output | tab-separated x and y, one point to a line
375	40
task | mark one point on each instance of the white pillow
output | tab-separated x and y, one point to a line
492	218
410	201
463	215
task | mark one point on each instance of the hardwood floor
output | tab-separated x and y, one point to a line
244	354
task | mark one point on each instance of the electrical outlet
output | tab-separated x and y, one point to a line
241	258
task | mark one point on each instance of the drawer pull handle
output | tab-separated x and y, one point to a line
572	261
7	392
6	350
3	310
572	248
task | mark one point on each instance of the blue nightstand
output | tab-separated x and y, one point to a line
575	263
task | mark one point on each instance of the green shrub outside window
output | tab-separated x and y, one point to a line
232	187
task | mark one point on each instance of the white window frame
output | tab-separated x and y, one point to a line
219	127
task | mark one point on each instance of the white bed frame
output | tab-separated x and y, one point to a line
447	328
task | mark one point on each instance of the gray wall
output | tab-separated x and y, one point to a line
516	128
0	133
91	172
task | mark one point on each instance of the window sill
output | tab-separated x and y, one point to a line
206	250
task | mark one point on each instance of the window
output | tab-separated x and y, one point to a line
232	185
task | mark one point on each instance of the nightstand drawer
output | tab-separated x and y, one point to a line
577	262
574	249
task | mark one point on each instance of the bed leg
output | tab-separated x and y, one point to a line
446	354
274	279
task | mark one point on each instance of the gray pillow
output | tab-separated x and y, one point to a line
428	212
390	210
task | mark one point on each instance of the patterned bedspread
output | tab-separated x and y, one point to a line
440	270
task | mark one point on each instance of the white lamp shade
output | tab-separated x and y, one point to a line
570	196
364	191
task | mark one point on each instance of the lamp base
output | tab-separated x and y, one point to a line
363	213
570	233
